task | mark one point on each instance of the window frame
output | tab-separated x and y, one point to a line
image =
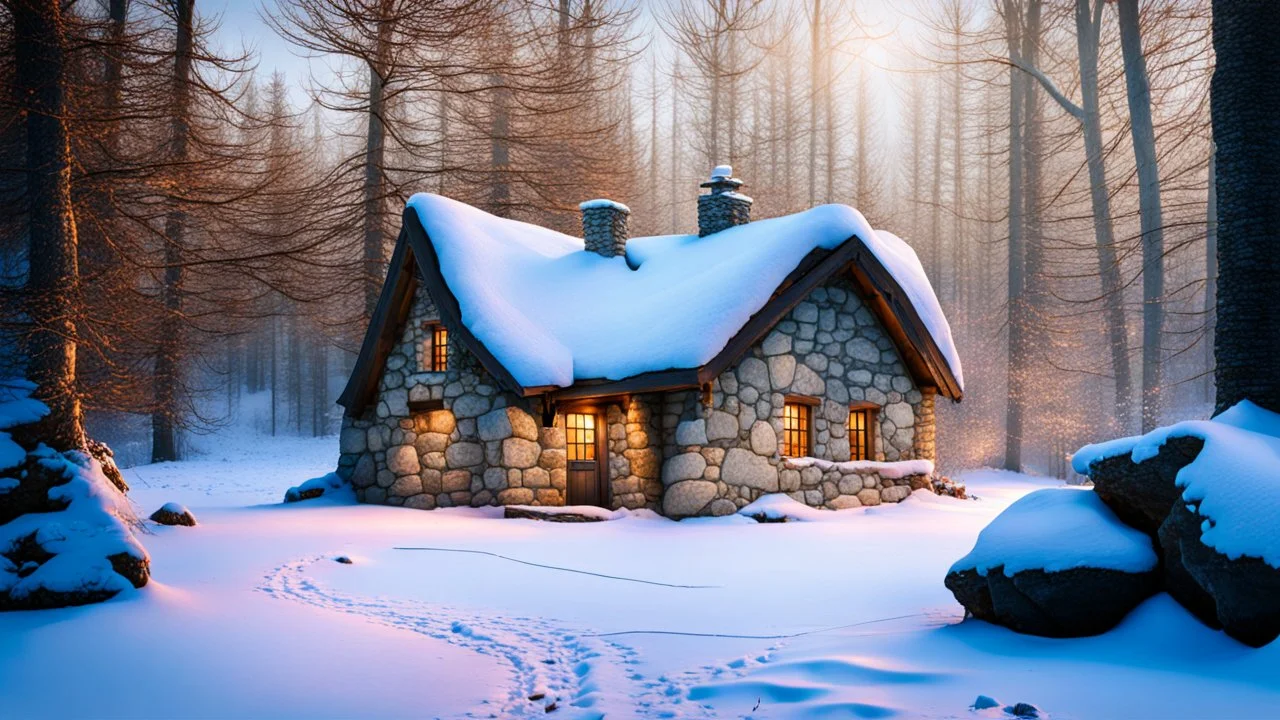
436	353
576	437
869	410
805	406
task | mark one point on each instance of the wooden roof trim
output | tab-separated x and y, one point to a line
447	303
656	381
778	306
878	288
392	303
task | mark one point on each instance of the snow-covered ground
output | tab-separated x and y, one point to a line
459	613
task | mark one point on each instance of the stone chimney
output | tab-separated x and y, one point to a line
604	227
724	206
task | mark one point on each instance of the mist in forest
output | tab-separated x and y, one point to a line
238	178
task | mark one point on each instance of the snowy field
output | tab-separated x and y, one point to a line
249	615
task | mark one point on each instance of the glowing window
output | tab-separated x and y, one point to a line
437	355
796	418
580	435
860	434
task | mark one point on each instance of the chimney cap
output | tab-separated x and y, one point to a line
722	179
600	203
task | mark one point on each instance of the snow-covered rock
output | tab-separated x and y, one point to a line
172	513
1220	533
82	553
314	488
1057	562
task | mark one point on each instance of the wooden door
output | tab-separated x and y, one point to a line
585	450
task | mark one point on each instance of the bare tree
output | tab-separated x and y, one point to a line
1144	150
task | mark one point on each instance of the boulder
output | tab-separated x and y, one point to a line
173	514
1068	603
1141	494
1056	563
1241	595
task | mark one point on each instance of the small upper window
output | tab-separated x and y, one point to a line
860	434
796	429
436	357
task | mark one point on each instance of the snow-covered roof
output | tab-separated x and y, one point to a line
553	314
542	312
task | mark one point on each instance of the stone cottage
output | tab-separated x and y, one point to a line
508	364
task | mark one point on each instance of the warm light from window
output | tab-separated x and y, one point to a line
859	434
580	436
438	349
795	429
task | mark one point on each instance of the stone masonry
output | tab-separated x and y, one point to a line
830	348
604	227
475	444
483	447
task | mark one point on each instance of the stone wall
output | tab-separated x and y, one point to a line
635	452
831	348
678	452
837	486
483	447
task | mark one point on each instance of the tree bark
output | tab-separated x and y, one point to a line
53	277
1088	27
1152	221
815	82
1031	294
374	155
1246	128
1210	270
166	415
1013	409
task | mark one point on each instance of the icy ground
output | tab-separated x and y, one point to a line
249	615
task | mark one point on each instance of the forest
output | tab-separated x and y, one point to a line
1050	161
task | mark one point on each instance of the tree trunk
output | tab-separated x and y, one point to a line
165	416
53	276
1032	292
861	161
1144	152
829	114
815	82
1246	128
1013	409
935	195
374	155
675	147
1088	25
1210	271
957	172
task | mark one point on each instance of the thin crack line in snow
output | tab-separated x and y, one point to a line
562	569
754	637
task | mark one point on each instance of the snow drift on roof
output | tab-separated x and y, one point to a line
553	313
